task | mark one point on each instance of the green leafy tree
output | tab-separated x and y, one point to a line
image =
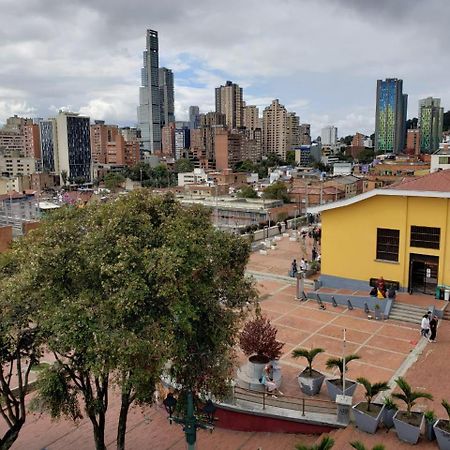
408	395
366	156
325	444
372	390
277	191
113	180
309	355
338	363
183	165
20	342
360	446
247	191
245	166
290	157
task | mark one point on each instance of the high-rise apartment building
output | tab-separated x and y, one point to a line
102	134
229	101
194	117
305	134
149	121
292	131
166	96
390	119
275	129
431	121
328	135
413	141
251	117
32	140
182	141
74	146
168	140
49	144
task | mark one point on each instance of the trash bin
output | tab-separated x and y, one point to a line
438	293
447	295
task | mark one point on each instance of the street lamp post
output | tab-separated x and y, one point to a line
190	422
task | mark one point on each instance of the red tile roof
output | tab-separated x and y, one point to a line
434	182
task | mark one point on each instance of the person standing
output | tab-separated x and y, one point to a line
303	265
433	328
279	227
314	254
294	269
425	326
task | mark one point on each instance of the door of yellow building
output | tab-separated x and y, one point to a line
423	273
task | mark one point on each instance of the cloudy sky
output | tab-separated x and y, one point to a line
321	58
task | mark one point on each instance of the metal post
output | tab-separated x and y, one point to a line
343	364
190	423
303	406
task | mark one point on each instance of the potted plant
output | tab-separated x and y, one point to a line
325	444
310	380
442	429
408	423
334	386
430	420
360	446
368	415
258	340
390	408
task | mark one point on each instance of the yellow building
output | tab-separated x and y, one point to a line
401	233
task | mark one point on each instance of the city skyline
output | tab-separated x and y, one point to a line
97	73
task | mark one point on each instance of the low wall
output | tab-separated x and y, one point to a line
334	282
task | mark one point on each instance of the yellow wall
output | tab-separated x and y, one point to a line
349	237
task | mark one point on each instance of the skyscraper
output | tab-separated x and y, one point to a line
390	119
293	131
328	135
149	120
251	117
194	117
229	101
48	138
166	96
431	120
275	129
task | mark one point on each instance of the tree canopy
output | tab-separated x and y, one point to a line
277	191
184	165
247	191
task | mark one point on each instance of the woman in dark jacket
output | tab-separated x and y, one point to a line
433	328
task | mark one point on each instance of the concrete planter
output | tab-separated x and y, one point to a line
405	431
310	385
388	416
442	436
429	430
366	422
333	389
255	368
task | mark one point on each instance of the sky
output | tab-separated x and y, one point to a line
320	58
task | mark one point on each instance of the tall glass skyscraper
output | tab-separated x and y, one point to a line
431	121
390	120
149	120
166	96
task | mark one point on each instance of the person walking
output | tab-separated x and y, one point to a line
294	269
302	265
425	326
279	227
433	328
314	254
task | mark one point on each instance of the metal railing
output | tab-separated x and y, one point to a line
301	404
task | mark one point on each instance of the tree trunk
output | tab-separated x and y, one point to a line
11	435
99	433
123	416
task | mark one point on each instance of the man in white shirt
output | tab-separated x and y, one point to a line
425	326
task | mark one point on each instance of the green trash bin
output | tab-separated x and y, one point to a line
438	292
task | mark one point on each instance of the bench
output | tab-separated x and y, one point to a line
388	283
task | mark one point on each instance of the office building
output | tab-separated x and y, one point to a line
292	131
166	96
74	146
229	101
305	134
328	135
182	142
49	143
149	121
194	117
168	140
431	120
32	140
390	119
251	117
101	135
275	129
413	141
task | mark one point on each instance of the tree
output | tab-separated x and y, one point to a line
259	337
20	343
409	396
64	176
247	191
277	191
339	364
325	444
366	156
183	165
372	390
309	355
290	158
122	288
360	446
245	166
113	180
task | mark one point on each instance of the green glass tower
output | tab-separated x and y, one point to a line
431	117
390	120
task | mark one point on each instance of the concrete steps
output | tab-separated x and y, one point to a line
446	315
407	313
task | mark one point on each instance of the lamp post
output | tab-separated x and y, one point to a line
190	422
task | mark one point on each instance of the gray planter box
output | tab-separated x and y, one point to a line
405	431
442	436
429	430
366	422
255	369
310	385
388	415
333	390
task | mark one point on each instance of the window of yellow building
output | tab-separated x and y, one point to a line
388	244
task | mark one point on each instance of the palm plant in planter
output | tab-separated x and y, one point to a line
310	380
325	444
390	408
367	415
408	423
442	429
430	420
258	340
335	386
360	446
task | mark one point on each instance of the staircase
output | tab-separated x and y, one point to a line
446	315
407	313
